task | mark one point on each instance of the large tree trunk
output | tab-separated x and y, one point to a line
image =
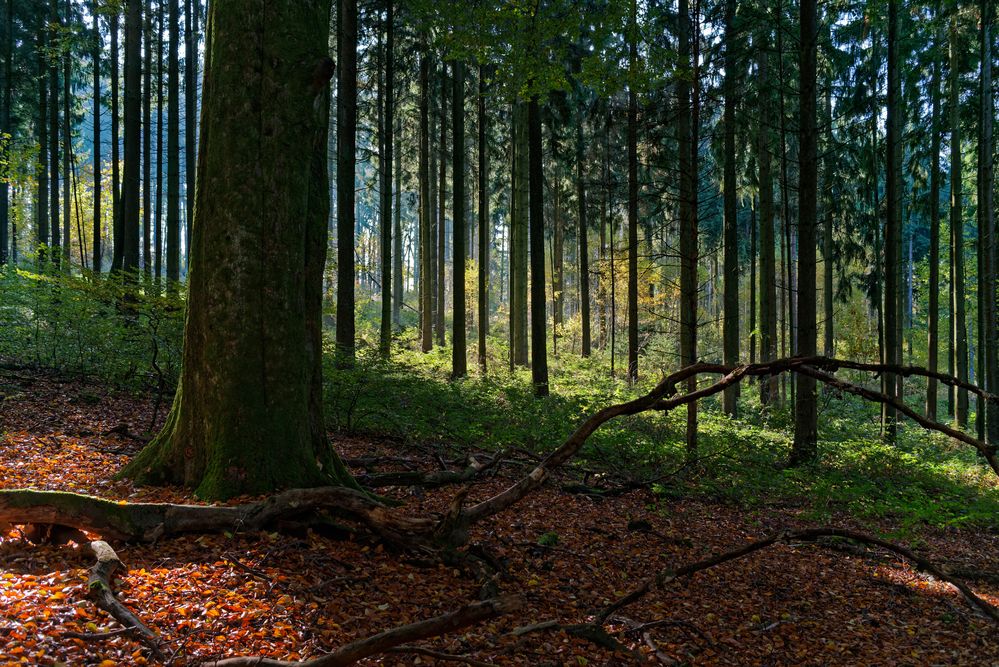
459	356
247	416
803	448
959	321
731	231
133	152
769	390
346	142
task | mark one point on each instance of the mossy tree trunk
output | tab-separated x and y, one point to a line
247	417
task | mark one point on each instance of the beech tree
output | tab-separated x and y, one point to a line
247	416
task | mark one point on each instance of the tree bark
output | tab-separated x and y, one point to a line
959	320
769	391
95	56
426	310
731	231
688	216
539	347
117	233
247	417
459	354
484	223
582	232
893	221
803	448
42	166
633	197
385	167
346	142
173	152
133	146
987	232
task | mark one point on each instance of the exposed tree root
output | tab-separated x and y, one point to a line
146	522
384	641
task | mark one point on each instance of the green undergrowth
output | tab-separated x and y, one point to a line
925	479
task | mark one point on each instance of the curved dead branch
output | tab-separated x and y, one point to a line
470	614
668	576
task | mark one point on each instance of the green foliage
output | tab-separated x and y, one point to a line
102	328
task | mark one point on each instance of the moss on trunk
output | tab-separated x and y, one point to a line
247	416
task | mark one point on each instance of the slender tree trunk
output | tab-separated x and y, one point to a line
441	214
346	127
519	237
190	115
426	337
147	147
385	166
803	448
459	354
67	144
731	229
158	231
173	152
133	148
539	349
633	199
584	248
557	250
54	128
959	321
5	100
893	221
769	390
484	226
398	289
42	167
828	204
687	145
753	254
117	232
987	232
96	61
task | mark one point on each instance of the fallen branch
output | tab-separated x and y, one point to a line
668	576
382	642
102	593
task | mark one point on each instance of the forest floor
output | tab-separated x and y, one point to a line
286	597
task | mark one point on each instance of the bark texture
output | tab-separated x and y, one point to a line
247	416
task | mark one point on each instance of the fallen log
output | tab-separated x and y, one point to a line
146	522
